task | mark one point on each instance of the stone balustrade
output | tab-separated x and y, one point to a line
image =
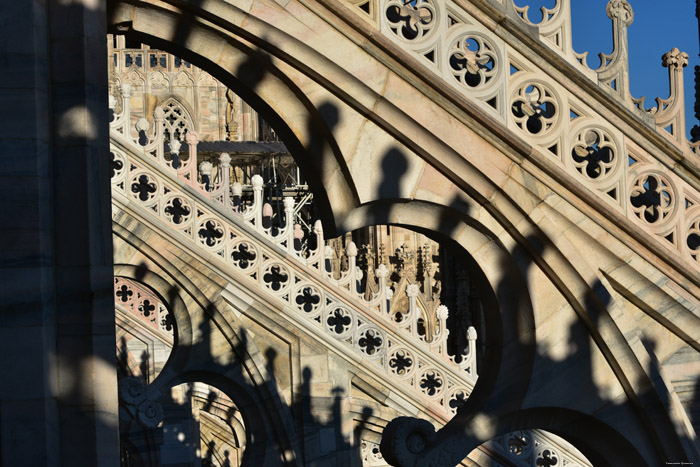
201	207
658	192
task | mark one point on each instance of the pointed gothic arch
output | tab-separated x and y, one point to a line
200	324
509	215
178	118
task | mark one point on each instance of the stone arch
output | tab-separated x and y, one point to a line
502	387
258	445
158	78
145	329
509	319
246	382
497	202
305	129
236	426
171	297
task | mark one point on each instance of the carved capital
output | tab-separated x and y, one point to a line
621	10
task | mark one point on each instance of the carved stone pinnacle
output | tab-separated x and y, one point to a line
675	58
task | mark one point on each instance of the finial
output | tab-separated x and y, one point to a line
675	59
614	67
382	272
192	138
159	114
126	90
205	168
412	290
442	312
622	10
224	160
257	181
670	112
174	145
237	189
351	249
267	210
142	124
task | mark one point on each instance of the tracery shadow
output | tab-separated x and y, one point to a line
570	379
258	402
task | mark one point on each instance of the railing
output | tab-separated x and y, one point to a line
201	207
143	305
570	133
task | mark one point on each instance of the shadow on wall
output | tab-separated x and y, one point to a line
232	375
394	167
315	422
260	404
566	382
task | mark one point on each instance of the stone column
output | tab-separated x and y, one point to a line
58	399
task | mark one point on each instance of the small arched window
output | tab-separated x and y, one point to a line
177	120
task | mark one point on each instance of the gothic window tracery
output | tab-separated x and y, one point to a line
177	120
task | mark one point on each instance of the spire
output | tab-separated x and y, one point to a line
670	112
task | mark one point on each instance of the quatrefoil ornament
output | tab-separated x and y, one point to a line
411	20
